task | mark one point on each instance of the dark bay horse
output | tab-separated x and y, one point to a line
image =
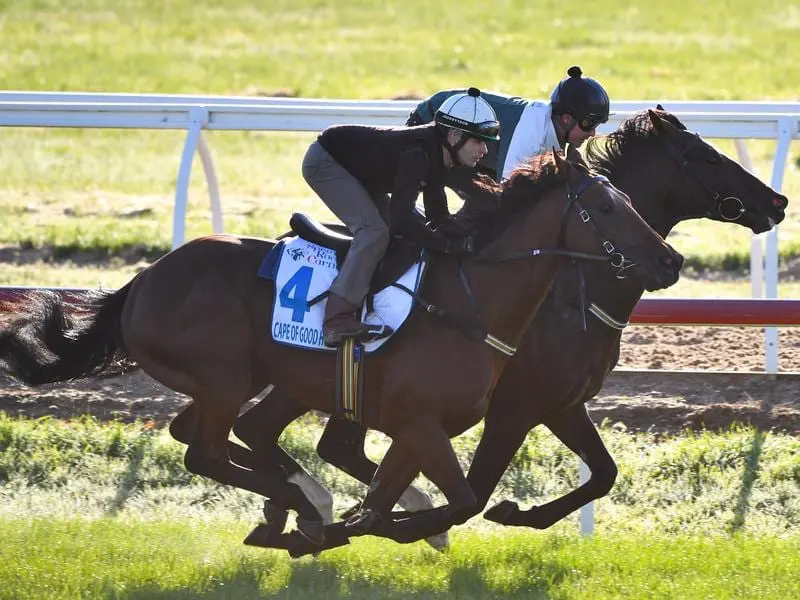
671	175
197	321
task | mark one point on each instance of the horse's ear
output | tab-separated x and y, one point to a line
560	163
657	122
659	107
573	155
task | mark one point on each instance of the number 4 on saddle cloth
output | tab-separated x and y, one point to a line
303	268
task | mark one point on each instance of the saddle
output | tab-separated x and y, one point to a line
401	254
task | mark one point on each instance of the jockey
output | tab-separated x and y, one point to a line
353	168
577	106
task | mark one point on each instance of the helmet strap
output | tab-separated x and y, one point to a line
454	148
566	129
569	130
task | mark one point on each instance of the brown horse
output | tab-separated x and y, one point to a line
671	175
196	321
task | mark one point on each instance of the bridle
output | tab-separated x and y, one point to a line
729	208
614	256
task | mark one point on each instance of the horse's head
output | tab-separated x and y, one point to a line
674	175
600	218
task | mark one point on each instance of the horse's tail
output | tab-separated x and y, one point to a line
54	339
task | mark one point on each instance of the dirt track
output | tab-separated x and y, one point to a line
653	401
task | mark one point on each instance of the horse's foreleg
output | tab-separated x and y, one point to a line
342	445
500	441
576	430
426	446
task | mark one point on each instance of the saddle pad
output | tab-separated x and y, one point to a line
304	270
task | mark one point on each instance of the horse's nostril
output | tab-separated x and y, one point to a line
672	260
780	202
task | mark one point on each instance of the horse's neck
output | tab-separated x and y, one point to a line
509	294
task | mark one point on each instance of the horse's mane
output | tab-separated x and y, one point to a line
604	153
490	206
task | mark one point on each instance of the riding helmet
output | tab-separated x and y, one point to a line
582	97
469	113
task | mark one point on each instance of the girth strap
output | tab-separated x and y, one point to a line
350	380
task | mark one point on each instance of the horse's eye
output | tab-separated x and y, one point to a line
715	159
607	207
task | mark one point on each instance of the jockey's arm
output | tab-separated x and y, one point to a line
413	169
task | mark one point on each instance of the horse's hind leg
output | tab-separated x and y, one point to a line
182	428
260	427
207	455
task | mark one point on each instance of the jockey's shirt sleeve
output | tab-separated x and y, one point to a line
525	143
413	175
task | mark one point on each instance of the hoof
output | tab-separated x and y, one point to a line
313	531
298	545
440	542
263	536
275	516
501	512
350	512
363	521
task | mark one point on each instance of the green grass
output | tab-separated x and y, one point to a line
691	516
360	49
67	558
110	193
715	484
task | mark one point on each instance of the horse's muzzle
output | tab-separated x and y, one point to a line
666	272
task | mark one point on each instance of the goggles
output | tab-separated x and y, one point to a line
486	130
590	121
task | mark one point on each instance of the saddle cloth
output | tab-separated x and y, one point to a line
303	270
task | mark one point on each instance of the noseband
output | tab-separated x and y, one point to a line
729	208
